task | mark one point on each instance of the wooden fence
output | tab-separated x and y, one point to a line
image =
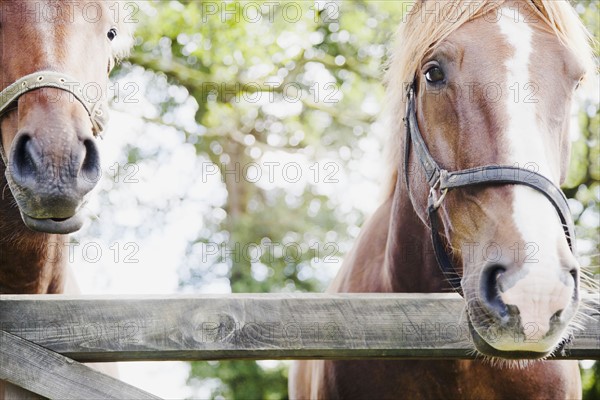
44	338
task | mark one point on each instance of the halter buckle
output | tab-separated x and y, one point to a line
436	201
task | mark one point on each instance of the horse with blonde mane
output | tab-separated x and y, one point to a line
479	100
52	51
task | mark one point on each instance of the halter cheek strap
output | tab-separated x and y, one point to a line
441	181
97	111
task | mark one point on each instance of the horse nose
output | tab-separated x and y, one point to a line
530	300
52	169
89	172
490	292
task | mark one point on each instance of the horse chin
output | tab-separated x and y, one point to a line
54	225
490	351
51	214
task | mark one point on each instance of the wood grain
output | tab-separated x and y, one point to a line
8	391
52	375
265	326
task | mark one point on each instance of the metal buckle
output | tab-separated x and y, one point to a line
436	201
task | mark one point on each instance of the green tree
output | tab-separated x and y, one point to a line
314	73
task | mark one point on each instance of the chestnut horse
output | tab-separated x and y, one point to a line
56	57
480	96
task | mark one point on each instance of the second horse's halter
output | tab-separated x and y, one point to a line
441	181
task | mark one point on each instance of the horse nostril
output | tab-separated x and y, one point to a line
490	292
575	275
574	272
24	158
90	167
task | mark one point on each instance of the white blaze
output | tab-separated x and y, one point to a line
540	292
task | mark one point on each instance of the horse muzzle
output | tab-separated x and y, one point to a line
524	313
50	190
48	211
53	161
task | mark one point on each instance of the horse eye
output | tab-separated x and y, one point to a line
434	75
112	33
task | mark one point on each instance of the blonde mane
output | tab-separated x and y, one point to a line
421	31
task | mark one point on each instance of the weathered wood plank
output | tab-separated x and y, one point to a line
52	375
267	326
8	391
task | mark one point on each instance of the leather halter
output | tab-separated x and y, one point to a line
97	111
441	181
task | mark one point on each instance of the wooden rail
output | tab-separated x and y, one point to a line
43	338
52	375
265	326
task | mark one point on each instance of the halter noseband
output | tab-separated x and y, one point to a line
97	111
441	181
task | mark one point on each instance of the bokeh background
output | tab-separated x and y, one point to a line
243	155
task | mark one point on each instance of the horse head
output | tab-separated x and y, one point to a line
500	108
56	57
